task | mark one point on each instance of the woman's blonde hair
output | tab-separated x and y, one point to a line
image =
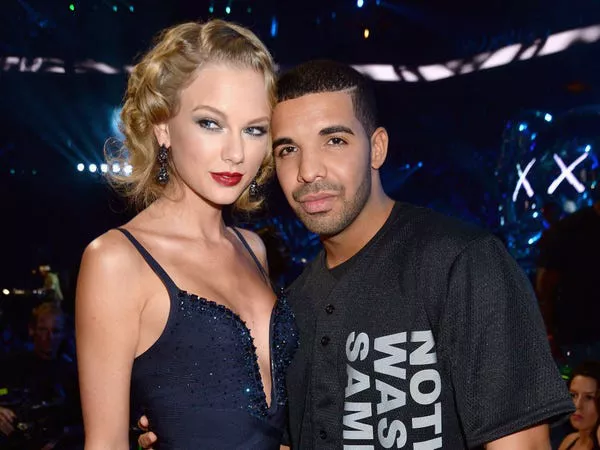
152	97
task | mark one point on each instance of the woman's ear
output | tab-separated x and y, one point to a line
161	132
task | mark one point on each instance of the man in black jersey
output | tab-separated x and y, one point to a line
416	331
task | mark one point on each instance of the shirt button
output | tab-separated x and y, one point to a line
323	434
325	340
329	309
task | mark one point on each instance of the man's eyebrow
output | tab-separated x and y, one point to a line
282	141
335	129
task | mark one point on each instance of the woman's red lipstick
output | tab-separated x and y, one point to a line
228	179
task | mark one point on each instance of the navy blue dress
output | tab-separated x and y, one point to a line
200	383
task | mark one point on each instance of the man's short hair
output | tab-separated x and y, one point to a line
318	76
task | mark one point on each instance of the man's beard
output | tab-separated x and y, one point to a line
331	223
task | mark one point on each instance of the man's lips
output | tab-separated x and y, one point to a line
227	178
317	203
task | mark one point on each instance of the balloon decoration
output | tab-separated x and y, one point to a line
548	168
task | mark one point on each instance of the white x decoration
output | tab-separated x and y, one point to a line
567	172
523	181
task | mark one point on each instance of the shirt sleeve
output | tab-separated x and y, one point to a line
493	340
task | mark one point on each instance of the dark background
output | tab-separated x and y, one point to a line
50	122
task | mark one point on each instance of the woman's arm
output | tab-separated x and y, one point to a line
107	326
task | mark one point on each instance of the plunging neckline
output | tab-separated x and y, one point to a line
235	316
172	286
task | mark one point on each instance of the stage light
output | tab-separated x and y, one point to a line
131	9
80	167
548	117
116	168
72	7
360	3
127	169
249	10
5	291
211	9
588	148
103	168
12	171
533	135
274	26
115	8
34	172
535	238
228	9
92	168
366	33
523	127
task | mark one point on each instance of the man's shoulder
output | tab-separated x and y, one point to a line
429	231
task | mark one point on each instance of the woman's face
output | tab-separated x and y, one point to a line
583	392
220	134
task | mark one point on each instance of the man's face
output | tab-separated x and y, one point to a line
323	160
47	334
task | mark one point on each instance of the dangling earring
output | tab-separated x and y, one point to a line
163	156
254	189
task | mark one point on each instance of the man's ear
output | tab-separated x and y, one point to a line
379	147
161	132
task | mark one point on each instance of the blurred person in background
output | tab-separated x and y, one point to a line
584	387
51	287
40	401
567	283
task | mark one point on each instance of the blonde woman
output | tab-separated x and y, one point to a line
174	309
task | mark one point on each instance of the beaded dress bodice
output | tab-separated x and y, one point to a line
200	384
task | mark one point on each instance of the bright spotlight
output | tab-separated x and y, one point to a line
80	167
92	168
548	117
116	168
5	291
360	3
103	168
127	169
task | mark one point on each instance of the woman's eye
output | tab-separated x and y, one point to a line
256	131
208	124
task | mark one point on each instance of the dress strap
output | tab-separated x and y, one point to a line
254	257
154	265
572	443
